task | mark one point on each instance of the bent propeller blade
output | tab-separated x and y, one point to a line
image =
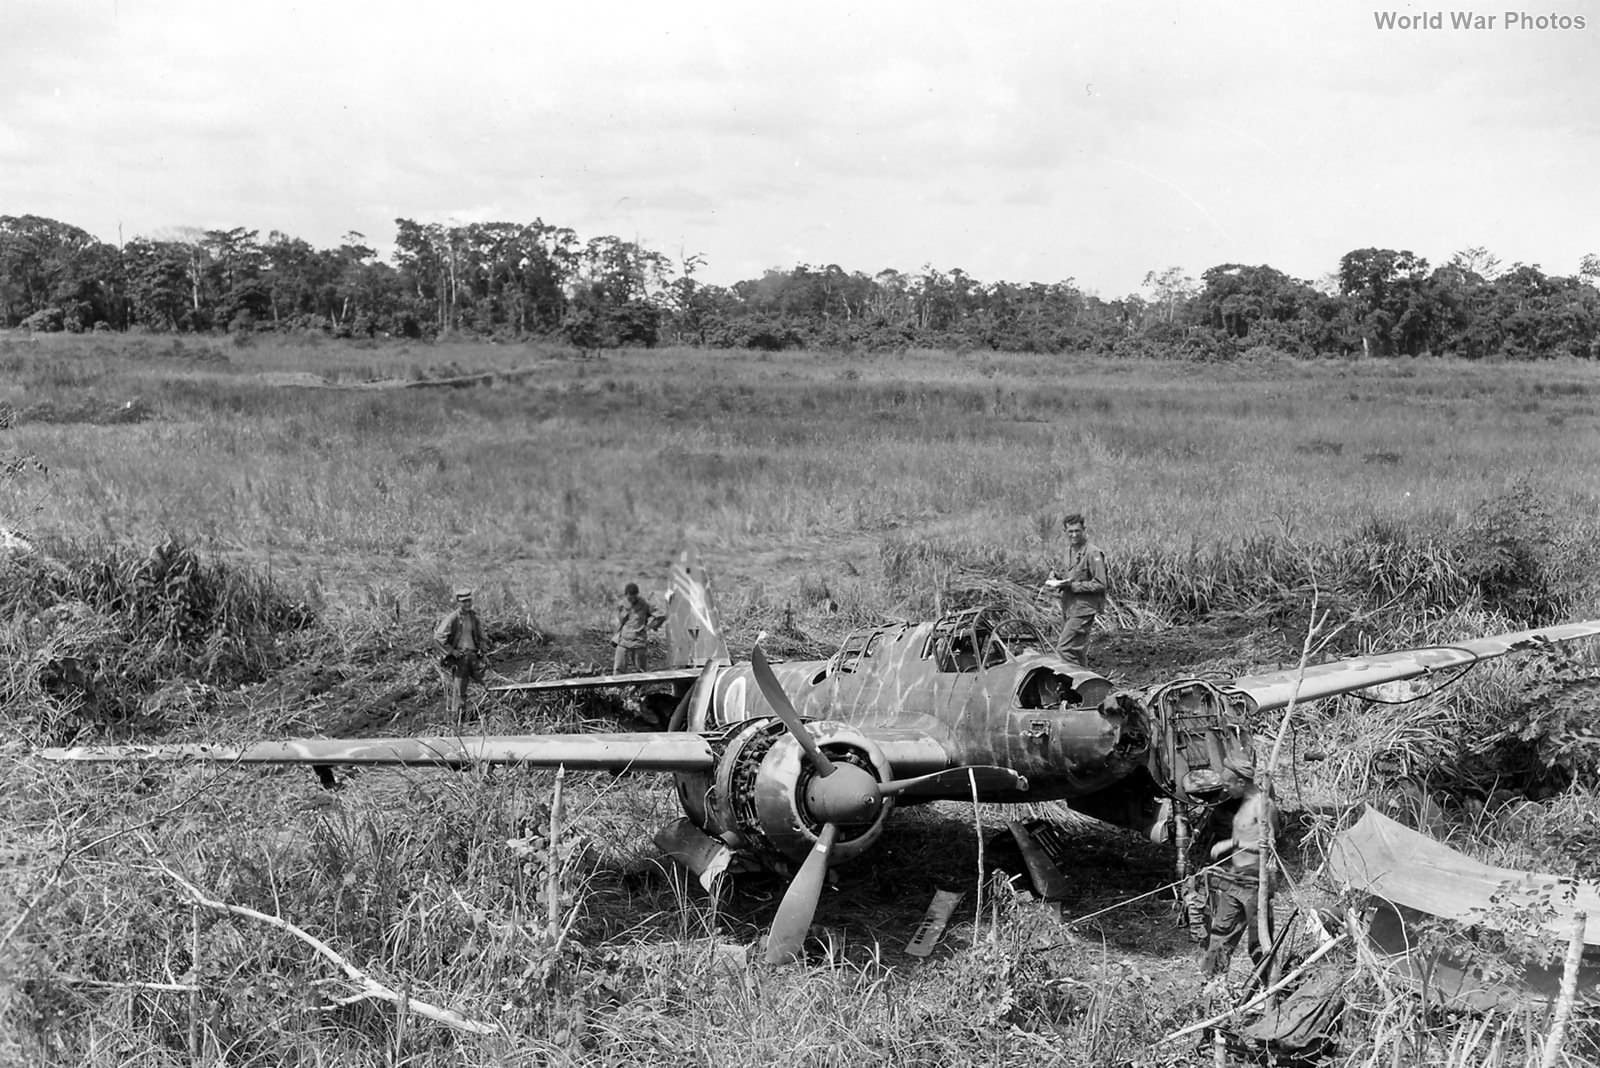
799	902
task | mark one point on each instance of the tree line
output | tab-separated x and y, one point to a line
514	281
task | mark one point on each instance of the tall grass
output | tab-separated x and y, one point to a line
590	459
313	534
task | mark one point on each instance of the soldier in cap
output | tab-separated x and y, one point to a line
459	639
635	620
1235	885
1082	589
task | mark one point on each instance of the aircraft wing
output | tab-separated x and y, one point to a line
588	682
597	752
1273	691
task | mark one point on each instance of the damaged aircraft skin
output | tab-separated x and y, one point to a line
1414	884
802	763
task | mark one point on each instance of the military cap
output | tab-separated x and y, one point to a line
1241	765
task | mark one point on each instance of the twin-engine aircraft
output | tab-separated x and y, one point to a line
803	762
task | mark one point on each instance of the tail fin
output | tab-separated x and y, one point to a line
694	634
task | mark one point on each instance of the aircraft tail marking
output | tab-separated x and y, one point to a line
694	633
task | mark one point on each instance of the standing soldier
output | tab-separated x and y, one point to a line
459	639
1082	589
635	620
1235	885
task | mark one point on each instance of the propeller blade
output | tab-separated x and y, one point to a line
772	690
799	904
988	776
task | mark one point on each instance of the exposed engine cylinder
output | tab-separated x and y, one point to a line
756	797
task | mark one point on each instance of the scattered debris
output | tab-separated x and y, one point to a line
933	924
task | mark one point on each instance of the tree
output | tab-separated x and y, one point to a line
1462	312
1542	316
1383	292
1478	261
1589	270
1264	305
159	285
236	291
46	264
1169	290
689	301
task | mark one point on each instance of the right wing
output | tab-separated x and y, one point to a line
596	752
1274	690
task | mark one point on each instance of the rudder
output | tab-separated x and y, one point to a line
694	633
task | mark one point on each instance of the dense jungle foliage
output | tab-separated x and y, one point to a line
513	281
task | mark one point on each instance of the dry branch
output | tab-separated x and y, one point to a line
1259	998
128	984
369	987
1569	990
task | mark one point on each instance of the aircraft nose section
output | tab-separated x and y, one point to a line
849	796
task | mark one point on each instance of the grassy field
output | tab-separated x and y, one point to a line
329	511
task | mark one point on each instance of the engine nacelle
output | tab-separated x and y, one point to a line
755	798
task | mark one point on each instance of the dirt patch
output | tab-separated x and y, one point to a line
1224	648
91	410
303	379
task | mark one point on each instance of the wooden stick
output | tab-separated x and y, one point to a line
1569	991
128	984
977	823
370	987
1264	780
552	871
194	994
555	930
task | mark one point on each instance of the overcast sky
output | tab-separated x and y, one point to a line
1027	142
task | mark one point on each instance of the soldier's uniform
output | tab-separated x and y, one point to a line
1083	597
459	638
635	620
1234	888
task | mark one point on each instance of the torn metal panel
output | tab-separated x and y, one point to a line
1419	881
1389	860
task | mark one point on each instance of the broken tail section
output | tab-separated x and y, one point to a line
694	633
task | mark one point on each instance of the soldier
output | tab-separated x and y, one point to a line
1235	886
459	639
1082	590
635	619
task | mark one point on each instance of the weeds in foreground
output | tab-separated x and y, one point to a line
171	942
432	885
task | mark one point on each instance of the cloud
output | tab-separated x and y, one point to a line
1096	140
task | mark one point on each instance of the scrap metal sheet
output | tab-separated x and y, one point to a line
1391	861
1417	881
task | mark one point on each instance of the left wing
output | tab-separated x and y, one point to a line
589	682
597	752
1273	691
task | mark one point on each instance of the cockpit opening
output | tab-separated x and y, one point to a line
1046	688
965	641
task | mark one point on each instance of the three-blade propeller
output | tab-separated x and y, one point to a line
842	794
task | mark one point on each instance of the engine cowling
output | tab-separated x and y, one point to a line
762	795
